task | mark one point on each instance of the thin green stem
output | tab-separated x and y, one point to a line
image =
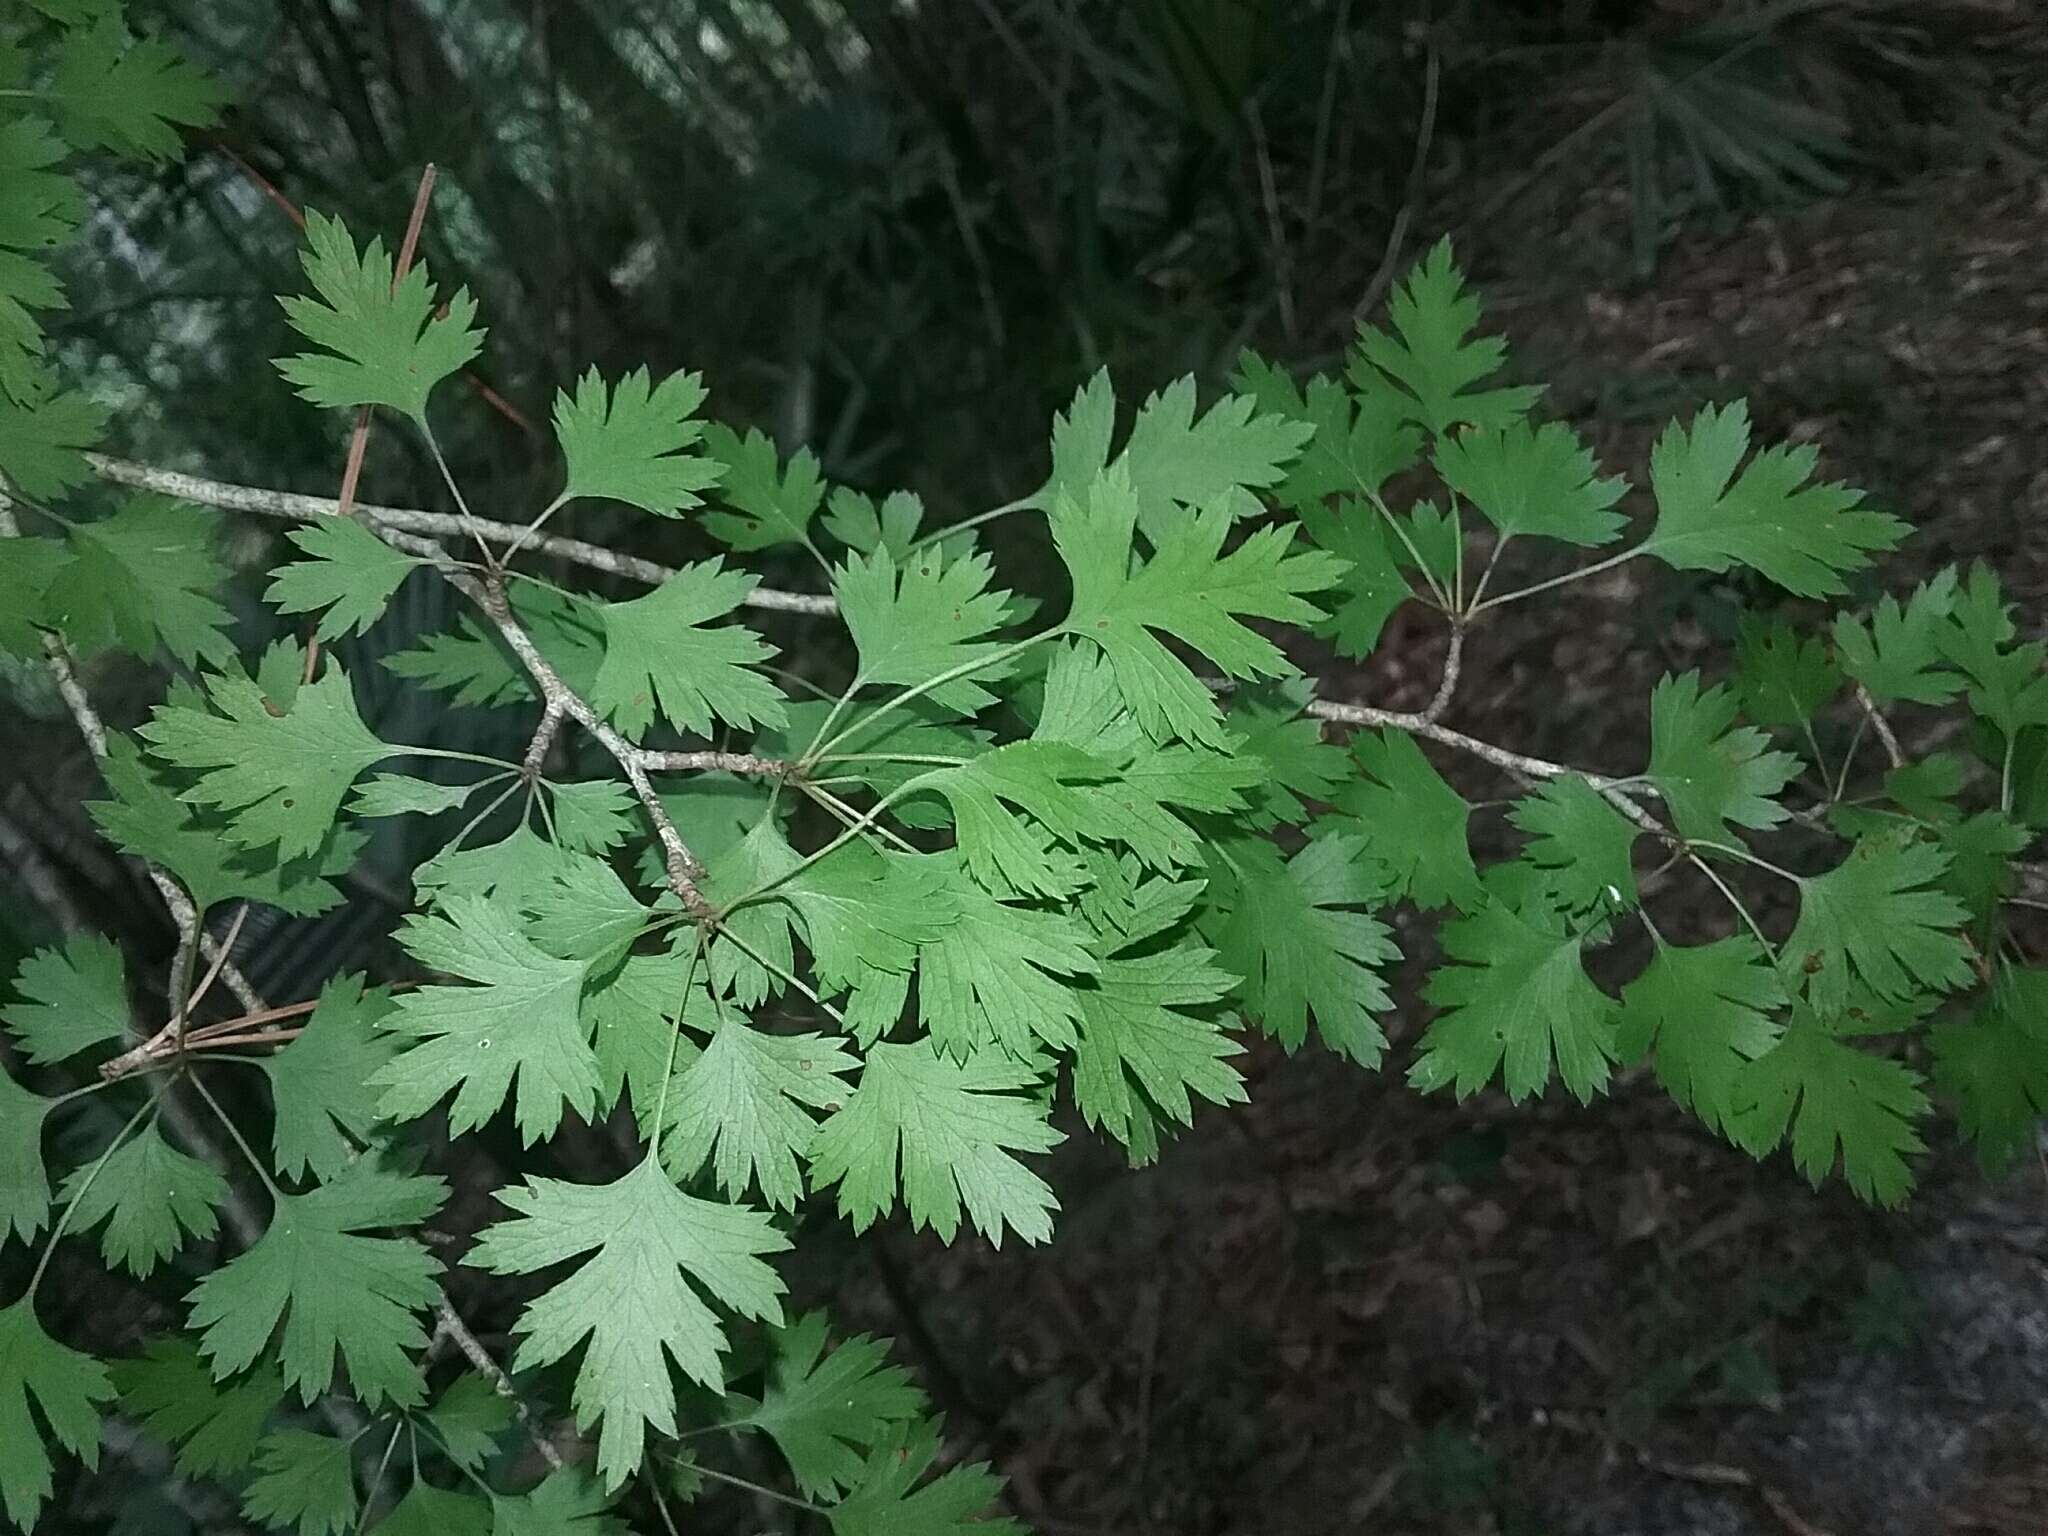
2005	775
919	690
767	1493
482	816
449	754
235	1134
1849	757
491	560
668	1071
1021	504
1736	850
1486	576
1557	581
1735	901
534	527
1443	598
377	1482
148	1106
1457	556
789	978
848	814
928	760
868	818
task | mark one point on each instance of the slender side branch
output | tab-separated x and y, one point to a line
685	873
717	762
184	916
1885	734
292	507
449	1321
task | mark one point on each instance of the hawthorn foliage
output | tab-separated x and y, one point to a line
858	947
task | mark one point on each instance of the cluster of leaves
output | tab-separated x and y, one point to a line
867	947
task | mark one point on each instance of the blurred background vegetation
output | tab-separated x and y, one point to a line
898	233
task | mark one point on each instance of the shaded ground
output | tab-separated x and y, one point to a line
1347	1309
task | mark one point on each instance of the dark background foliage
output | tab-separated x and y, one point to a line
900	233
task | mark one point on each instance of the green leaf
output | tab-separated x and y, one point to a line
1831	1096
1010	855
1803	537
279	774
566	1503
1519	992
150	1195
865	911
67	1387
1709	773
888	1502
593	815
314	1271
144	578
1583	845
1147	1024
516	868
39	207
584	911
475	666
954	1126
27	568
24	1181
1413	822
323	1083
633	1300
1782	679
1173	461
1189	590
1299	933
1995	1065
766	508
349	572
632	1013
1706	1010
1000	974
385	345
521	1019
429	1511
853	519
2008	687
1873	917
70	999
42	444
215	1429
147	818
634	448
755	948
1898	658
658	650
304	1481
1533	480
122	95
1289	745
1434	355
397	794
742	1106
1373	586
826	1411
468	1417
916	621
1361	440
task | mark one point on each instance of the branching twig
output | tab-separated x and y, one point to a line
449	1321
685	873
717	762
1886	736
292	507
